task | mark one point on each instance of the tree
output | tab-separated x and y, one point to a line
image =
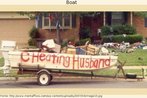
141	14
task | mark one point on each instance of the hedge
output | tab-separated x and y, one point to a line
118	29
119	38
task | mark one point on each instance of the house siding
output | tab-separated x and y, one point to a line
16	30
16	27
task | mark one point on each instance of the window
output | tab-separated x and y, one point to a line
117	18
145	22
50	20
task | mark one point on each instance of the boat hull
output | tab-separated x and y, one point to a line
61	61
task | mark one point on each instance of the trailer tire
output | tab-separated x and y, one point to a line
44	78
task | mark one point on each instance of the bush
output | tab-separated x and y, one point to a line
145	40
34	33
32	42
119	38
64	44
128	29
85	32
82	41
105	30
118	29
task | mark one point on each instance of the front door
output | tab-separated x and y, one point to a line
93	23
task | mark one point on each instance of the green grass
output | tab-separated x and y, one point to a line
112	72
1	61
12	73
132	58
108	72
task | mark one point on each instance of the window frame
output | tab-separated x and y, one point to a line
63	22
122	19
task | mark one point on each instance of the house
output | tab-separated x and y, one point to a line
69	24
114	18
14	26
72	23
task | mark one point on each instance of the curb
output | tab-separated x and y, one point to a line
62	77
15	78
7	78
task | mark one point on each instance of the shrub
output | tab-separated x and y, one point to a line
119	38
64	44
85	32
115	38
128	29
118	29
105	30
32	42
145	40
82	41
34	33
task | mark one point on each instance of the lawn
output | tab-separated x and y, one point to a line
1	62
109	72
136	58
112	72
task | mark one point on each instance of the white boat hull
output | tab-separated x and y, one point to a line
61	61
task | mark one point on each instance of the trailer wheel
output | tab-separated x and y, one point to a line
44	78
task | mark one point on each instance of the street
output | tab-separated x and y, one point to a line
74	82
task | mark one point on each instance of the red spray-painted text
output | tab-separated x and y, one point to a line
72	62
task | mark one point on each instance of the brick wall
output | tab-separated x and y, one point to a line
66	34
138	22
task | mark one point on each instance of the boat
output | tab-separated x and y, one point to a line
42	62
61	61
